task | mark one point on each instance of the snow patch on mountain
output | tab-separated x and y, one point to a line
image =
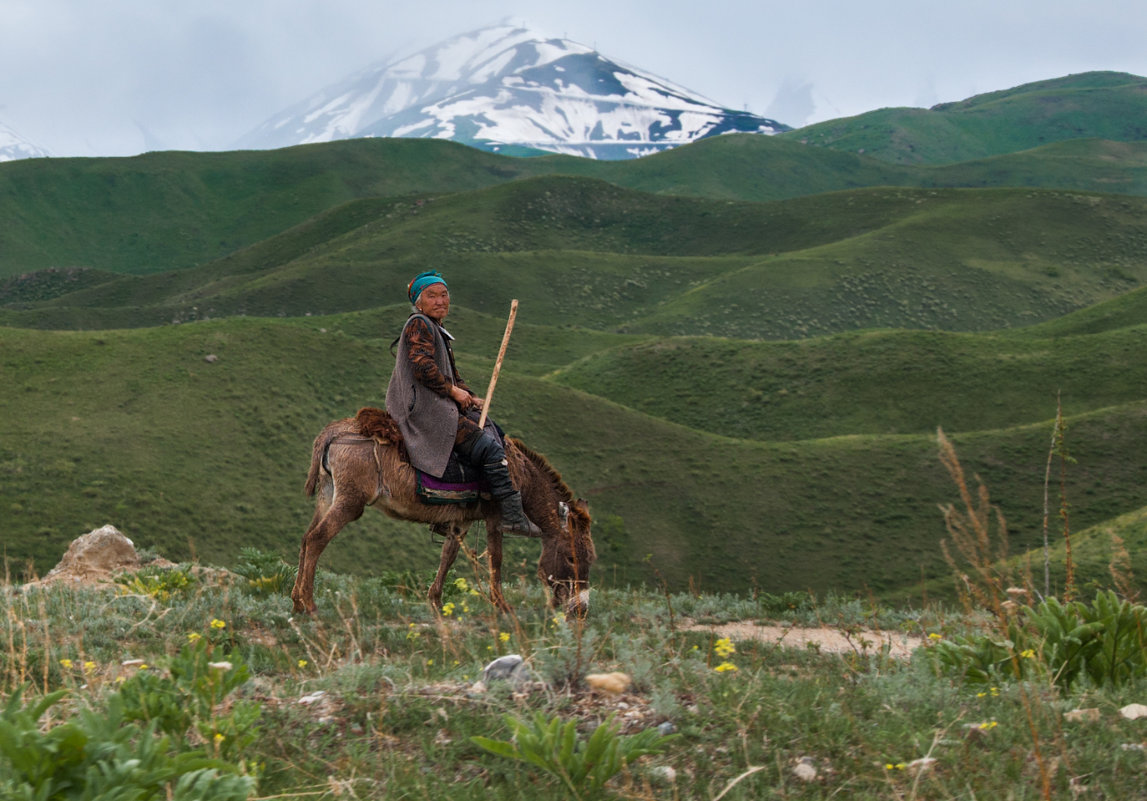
13	146
507	86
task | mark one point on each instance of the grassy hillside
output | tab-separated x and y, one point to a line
745	388
584	252
169	211
195	458
164	211
1103	105
877	382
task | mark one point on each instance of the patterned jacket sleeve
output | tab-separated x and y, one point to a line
421	352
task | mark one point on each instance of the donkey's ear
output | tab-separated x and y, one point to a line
581	509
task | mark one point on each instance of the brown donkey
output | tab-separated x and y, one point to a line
359	462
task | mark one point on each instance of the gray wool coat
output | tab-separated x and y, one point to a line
428	421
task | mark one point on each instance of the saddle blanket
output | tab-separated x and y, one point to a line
459	484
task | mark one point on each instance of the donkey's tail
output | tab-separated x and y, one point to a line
319	451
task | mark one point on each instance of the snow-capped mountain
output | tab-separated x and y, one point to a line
506	86
13	146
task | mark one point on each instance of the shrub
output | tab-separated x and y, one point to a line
1104	641
583	766
266	573
102	754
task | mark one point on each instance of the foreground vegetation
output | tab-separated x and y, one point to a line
188	682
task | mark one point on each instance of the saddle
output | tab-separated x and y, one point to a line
460	483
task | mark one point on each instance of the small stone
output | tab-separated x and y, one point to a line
1089	715
666	728
805	770
307	700
612	683
511	668
663	774
211	358
1134	711
922	764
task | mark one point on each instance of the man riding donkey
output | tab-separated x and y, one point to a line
437	412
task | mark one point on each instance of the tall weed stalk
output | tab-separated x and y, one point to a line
979	533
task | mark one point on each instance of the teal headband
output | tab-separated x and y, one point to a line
423	280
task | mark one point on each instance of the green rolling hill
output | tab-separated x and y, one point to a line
592	254
739	351
1094	105
192	458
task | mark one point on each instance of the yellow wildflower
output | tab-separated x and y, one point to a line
66	664
725	667
194	636
302	663
724	647
504	636
216	623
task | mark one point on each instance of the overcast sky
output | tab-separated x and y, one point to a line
118	77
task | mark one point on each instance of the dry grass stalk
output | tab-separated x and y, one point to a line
979	534
985	550
1120	568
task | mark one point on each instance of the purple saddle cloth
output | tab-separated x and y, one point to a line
459	484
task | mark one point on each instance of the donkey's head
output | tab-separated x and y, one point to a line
567	558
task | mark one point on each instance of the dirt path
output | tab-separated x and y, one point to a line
827	640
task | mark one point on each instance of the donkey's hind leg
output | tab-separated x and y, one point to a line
453	533
324	527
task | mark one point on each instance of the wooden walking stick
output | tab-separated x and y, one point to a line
498	363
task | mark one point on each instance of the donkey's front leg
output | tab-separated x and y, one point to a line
494	560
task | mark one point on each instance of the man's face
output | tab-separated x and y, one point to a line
434	302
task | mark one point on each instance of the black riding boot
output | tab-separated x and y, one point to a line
484	451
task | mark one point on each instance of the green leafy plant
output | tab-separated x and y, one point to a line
103	754
160	583
266	573
191	697
1104	641
583	766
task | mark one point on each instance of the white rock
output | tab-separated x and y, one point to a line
306	700
805	770
663	774
511	668
1134	711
